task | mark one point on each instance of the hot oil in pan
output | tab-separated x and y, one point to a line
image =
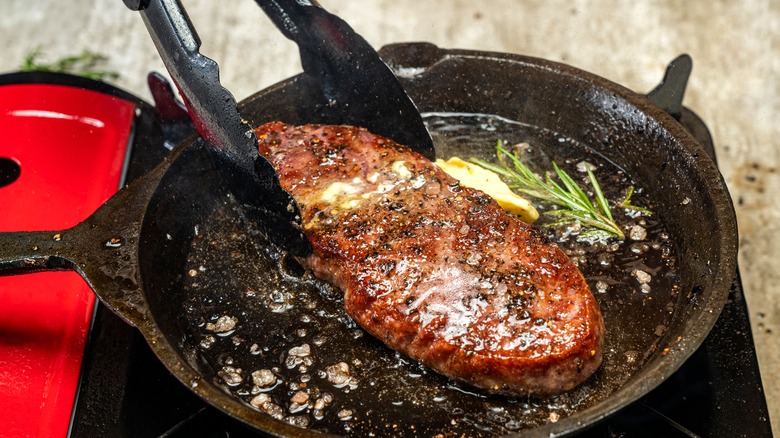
280	340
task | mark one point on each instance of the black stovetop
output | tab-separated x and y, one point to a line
126	391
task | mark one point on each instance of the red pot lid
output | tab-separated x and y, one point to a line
69	146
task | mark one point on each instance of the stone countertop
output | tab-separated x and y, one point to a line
734	86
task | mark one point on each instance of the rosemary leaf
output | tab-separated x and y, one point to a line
600	199
626	203
577	195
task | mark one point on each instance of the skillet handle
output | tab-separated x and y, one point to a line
103	249
105	262
33	251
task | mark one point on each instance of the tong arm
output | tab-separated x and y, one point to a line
212	107
360	88
215	114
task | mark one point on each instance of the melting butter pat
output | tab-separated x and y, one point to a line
471	175
399	167
343	195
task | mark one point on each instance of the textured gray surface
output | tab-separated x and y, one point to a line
734	85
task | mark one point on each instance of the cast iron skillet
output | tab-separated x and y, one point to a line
134	250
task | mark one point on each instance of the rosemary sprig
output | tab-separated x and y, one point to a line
574	203
85	64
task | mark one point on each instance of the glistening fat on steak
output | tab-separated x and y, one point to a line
435	270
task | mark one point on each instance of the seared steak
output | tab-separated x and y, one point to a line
435	270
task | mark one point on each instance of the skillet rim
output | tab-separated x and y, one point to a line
634	388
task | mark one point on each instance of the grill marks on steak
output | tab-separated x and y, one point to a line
435	270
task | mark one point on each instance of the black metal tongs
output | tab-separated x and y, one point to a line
359	88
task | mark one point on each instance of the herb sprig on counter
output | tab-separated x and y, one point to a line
86	64
573	203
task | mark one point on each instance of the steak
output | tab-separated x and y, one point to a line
435	270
